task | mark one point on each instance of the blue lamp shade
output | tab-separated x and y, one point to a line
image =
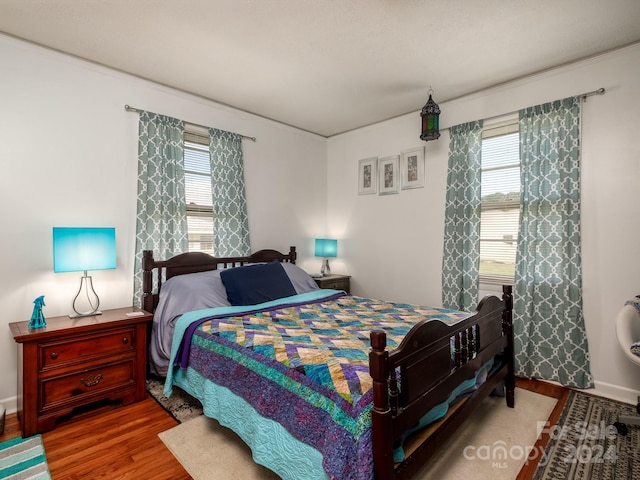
82	249
326	247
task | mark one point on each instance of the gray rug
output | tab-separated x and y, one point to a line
180	405
586	446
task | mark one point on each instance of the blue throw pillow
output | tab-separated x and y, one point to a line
253	284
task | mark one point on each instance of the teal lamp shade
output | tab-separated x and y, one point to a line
326	247
81	250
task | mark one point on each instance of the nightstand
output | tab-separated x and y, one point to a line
335	282
73	362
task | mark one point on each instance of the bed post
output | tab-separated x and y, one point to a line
292	254
507	326
381	413
147	280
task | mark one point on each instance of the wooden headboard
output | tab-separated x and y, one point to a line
194	262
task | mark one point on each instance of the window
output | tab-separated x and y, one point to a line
500	205
197	179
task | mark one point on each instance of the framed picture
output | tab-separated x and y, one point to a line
412	168
388	176
368	176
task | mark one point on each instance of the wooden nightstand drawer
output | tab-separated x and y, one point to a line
96	381
335	282
85	349
72	363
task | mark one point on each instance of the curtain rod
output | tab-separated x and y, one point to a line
583	96
599	91
129	108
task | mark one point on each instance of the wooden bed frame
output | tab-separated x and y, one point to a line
194	262
423	360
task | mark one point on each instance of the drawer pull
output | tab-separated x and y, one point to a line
125	340
54	355
91	381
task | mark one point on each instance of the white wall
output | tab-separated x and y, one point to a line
392	245
68	157
68	154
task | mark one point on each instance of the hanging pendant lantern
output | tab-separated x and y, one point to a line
430	120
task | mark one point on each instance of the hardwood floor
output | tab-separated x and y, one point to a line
123	442
117	443
550	390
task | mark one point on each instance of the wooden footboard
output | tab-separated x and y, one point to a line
428	373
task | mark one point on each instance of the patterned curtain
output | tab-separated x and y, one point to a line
462	218
162	216
550	337
230	222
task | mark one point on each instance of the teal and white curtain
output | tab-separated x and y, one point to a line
550	337
461	259
230	221
161	223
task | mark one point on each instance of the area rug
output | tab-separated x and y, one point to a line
180	405
475	453
22	458
585	445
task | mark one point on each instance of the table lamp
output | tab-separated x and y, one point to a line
81	250
326	247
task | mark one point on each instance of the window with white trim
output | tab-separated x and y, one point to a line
500	205
198	197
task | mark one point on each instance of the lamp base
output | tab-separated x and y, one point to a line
325	270
93	300
88	314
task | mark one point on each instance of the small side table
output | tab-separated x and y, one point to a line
335	282
72	362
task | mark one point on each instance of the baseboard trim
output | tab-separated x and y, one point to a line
10	404
615	392
607	390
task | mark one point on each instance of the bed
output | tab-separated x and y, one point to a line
318	383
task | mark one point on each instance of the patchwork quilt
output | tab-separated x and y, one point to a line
304	363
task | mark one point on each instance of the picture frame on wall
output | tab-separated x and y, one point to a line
412	168
368	176
388	175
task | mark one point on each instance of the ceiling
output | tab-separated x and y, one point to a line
326	66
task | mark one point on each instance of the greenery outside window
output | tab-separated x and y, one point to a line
500	202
